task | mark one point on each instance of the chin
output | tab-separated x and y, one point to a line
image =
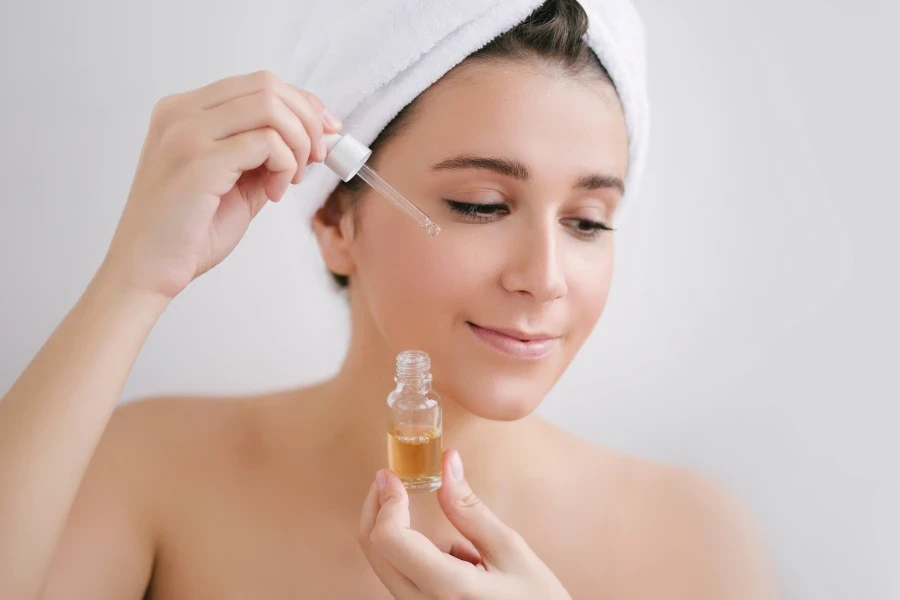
495	397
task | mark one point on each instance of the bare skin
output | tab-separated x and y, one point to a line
270	496
260	497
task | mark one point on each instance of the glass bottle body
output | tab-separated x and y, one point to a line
414	434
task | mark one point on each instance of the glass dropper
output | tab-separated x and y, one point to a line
347	157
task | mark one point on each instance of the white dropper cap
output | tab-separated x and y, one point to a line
346	155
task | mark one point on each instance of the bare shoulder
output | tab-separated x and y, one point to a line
177	443
665	527
156	428
181	449
116	512
150	443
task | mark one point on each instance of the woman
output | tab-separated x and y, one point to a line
521	154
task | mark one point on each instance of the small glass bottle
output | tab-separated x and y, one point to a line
414	424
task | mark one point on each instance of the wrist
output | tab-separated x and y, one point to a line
112	291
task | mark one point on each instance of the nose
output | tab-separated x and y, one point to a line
534	268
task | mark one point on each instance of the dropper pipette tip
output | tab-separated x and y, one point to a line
432	228
369	175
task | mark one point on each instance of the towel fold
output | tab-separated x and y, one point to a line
368	60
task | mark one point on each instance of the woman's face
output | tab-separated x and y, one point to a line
522	169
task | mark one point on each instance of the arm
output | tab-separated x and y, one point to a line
109	544
47	430
212	158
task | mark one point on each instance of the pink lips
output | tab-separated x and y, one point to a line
516	343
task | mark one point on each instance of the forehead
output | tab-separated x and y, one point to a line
537	115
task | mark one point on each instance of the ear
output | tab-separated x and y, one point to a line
334	232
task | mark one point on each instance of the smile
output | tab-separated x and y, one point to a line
519	344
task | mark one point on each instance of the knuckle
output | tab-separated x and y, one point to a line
318	128
319	114
314	100
163	110
269	103
163	104
267	79
271	137
304	148
470	500
179	141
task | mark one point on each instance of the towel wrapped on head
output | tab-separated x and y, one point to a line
369	60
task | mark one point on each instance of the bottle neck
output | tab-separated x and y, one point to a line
421	385
413	372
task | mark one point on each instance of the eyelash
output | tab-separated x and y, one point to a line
483	213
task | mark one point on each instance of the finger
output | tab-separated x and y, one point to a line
276	185
306	105
312	119
329	120
407	550
252	149
229	88
396	582
368	515
262	109
499	546
310	116
316	119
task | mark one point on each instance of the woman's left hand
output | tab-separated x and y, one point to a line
501	566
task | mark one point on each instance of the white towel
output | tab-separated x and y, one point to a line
368	60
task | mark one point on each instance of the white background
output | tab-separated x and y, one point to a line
751	333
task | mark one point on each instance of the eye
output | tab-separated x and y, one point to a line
478	213
586	228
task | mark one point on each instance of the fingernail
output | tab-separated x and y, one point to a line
323	149
332	120
456	466
380	480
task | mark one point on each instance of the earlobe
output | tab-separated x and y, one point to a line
334	236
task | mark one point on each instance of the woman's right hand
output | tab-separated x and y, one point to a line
492	562
211	159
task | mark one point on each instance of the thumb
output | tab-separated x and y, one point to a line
499	545
393	499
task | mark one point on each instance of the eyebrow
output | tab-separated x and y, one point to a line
518	170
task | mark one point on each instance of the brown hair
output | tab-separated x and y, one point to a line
553	33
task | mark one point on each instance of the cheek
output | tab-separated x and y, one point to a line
589	278
415	285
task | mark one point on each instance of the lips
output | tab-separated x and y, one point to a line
519	344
